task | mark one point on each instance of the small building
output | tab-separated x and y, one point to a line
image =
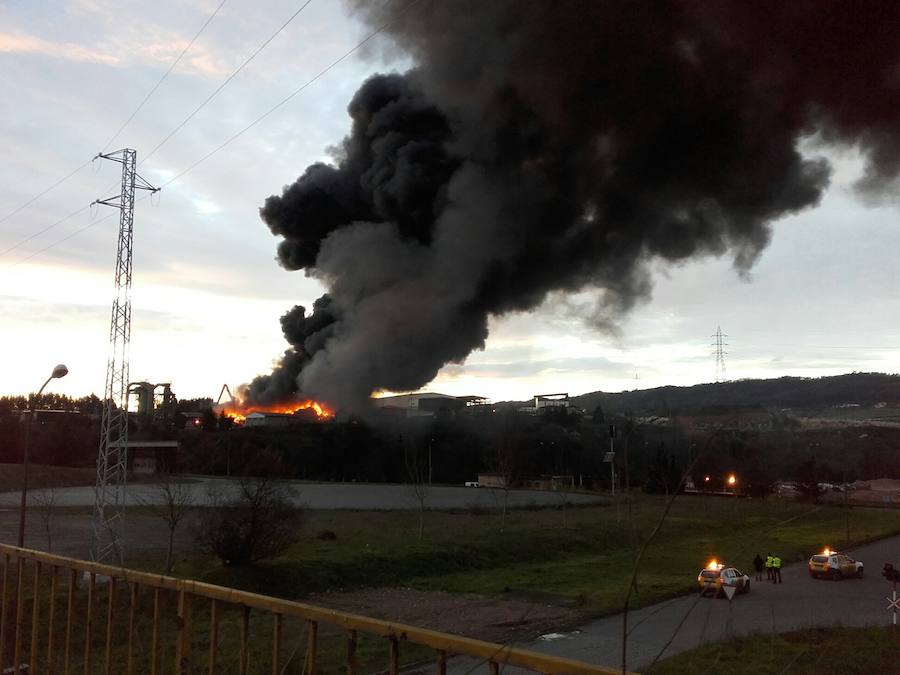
271	420
147	458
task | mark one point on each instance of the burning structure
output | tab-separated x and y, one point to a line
241	413
555	147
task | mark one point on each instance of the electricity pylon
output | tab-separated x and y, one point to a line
112	456
720	345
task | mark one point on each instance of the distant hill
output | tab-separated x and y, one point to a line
865	389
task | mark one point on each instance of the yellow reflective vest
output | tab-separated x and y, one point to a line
776	562
769	561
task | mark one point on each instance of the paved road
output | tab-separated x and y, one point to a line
799	602
334	495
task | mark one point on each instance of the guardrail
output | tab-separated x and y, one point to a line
52	621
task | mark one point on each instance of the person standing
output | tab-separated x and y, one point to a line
776	570
768	567
758	566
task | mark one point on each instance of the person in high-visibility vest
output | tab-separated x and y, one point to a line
769	566
776	570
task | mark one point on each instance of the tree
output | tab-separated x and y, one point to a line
209	421
506	467
45	499
170	501
258	522
417	474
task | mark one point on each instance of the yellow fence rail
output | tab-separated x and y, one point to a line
53	621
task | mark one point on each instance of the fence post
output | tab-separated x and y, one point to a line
395	656
89	624
110	610
213	635
17	643
35	617
185	628
51	619
132	610
351	653
3	613
276	645
312	647
70	620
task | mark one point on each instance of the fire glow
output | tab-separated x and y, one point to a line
239	412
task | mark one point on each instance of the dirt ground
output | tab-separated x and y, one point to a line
492	619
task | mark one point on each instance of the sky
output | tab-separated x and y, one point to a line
207	293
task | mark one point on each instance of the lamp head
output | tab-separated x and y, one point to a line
59	371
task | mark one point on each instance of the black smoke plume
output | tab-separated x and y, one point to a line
557	146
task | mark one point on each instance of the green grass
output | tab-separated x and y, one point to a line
586	564
806	652
41	476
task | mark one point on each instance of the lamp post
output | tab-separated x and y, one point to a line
58	371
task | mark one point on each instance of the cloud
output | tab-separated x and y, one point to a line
29	44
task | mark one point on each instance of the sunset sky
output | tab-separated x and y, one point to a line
208	294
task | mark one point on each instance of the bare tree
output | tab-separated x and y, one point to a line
258	522
417	474
506	466
45	499
170	501
562	486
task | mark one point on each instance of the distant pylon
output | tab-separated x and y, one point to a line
719	346
112	456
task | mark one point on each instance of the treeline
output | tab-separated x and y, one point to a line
521	447
85	404
784	392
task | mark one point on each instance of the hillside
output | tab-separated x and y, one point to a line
865	389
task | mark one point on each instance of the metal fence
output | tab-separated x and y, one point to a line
62	616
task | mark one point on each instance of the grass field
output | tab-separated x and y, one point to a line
585	562
806	652
42	476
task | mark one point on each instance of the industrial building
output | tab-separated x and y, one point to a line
541	402
428	404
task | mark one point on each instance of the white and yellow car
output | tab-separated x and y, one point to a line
834	565
716	576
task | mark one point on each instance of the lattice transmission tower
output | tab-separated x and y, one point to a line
112	456
719	345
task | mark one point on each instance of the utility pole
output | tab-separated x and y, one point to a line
112	456
719	346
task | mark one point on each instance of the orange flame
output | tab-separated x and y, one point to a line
238	412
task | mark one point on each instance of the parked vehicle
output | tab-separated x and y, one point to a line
716	576
833	565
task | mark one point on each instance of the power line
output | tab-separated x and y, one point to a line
63	240
290	96
114	136
240	133
165	75
41	194
224	84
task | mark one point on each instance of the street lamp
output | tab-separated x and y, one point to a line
58	371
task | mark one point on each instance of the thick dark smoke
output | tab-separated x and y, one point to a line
556	146
306	335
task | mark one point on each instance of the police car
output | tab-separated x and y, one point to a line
833	565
